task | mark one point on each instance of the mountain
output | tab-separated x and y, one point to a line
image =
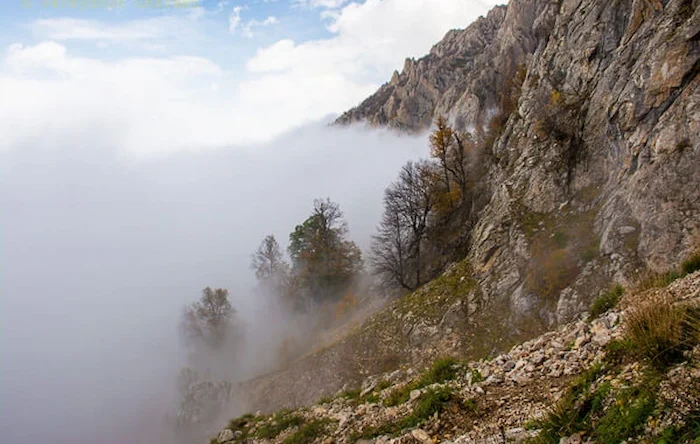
590	115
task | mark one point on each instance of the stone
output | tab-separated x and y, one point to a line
581	340
422	436
226	435
415	394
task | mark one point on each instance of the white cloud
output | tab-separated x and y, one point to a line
147	106
78	29
164	104
326	4
370	40
235	18
182	3
251	24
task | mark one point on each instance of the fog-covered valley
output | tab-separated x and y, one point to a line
101	251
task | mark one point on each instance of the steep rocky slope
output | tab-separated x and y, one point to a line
508	398
595	164
592	171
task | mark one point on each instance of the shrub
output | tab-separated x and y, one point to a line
282	421
443	369
606	301
626	417
431	402
692	264
660	331
617	351
308	432
569	415
477	377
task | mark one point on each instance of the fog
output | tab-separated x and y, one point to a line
101	250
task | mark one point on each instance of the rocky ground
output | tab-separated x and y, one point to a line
508	398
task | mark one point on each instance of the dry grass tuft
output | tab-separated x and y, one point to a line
661	331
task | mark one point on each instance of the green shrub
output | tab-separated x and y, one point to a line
351	394
618	351
443	369
308	432
606	301
280	422
431	402
626	417
477	377
383	385
572	411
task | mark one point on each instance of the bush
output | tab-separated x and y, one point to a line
431	402
661	331
606	301
626	417
659	280
282	421
308	432
692	264
443	369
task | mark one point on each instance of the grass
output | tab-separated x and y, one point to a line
351	394
691	265
282	421
477	377
626	417
686	433
443	369
660	331
606	301
569	414
658	280
433	401
618	351
601	413
308	432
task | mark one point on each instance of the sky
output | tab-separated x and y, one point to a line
171	75
145	150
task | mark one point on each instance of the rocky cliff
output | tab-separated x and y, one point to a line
591	110
593	169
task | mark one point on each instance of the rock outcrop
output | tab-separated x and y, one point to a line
591	176
592	179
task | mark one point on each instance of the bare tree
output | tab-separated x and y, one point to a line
408	203
268	261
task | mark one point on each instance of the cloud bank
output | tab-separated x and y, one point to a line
100	253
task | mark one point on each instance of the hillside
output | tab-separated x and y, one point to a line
588	113
603	390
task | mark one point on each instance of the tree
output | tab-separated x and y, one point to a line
268	261
408	203
324	261
441	144
208	320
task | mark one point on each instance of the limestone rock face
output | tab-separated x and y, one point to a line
601	152
463	75
592	178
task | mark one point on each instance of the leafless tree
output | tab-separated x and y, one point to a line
268	261
408	202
